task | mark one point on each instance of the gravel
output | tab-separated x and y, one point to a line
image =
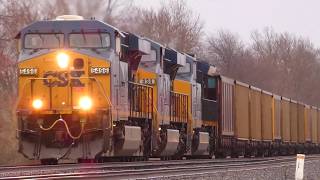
274	172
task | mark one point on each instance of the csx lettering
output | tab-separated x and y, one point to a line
61	78
76	82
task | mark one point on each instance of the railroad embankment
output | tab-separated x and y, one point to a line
8	142
274	172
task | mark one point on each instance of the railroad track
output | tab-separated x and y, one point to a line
141	169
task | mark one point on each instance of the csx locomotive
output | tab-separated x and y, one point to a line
90	92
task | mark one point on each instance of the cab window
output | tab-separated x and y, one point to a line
185	69
89	40
210	88
152	57
149	61
43	41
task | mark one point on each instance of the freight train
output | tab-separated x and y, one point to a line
91	92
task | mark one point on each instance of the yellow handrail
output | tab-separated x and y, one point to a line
154	107
100	86
92	78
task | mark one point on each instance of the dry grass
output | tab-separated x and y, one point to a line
8	142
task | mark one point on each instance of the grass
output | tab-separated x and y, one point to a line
8	142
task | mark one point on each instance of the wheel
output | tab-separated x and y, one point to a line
99	160
228	153
247	153
219	155
268	153
234	155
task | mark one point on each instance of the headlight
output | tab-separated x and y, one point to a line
37	104
63	60
85	103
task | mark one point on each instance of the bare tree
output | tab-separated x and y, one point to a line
56	8
271	61
13	17
229	54
106	10
173	24
277	62
287	64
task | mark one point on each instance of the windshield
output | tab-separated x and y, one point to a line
43	41
92	40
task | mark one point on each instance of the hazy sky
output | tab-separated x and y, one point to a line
299	17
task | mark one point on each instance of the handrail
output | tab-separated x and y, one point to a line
23	89
180	93
108	99
150	98
91	78
210	100
140	84
141	98
154	107
101	88
179	106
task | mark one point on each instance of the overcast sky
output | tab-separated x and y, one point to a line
299	17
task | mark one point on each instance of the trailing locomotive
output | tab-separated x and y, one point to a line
90	92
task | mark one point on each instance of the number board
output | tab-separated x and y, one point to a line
99	70
28	71
147	81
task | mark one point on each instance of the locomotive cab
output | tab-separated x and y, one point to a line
209	84
150	73
137	51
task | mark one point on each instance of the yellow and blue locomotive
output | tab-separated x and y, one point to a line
88	91
65	78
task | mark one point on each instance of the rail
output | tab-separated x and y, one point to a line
145	169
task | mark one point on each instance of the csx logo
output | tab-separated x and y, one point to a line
61	78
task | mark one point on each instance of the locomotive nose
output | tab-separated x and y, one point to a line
61	137
63	60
